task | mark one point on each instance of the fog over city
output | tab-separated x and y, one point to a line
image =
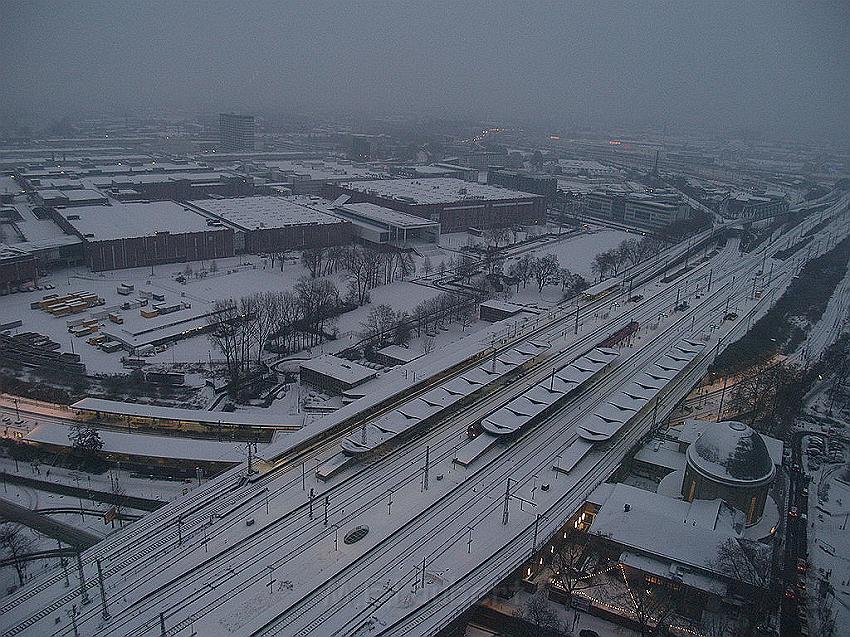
772	66
424	319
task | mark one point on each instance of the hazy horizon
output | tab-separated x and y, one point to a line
716	66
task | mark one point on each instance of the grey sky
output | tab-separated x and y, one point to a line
772	65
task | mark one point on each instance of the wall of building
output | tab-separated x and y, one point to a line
298	236
460	215
163	248
749	500
17	270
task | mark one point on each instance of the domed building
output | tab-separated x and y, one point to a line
730	461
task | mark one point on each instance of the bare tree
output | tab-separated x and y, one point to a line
546	270
379	324
541	620
16	544
749	563
652	605
427	268
569	559
826	613
312	259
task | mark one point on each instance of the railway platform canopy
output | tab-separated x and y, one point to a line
614	413
137	414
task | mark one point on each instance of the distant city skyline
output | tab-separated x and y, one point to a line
716	66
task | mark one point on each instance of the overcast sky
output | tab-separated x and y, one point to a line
774	65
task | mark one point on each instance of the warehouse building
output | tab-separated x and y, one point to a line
144	234
545	185
454	204
16	268
175	186
272	224
310	176
385	226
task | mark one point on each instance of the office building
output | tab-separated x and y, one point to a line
236	132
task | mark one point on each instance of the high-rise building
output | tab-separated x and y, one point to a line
236	132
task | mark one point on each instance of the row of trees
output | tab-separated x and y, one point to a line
546	270
368	266
630	252
292	320
384	325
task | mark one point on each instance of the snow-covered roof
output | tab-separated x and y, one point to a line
615	412
179	414
731	453
340	369
534	401
384	216
437	190
689	533
150	446
130	220
256	213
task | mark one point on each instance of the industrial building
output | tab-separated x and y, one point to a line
545	185
755	206
435	170
174	186
71	197
456	205
385	226
144	234
309	176
236	132
272	224
16	267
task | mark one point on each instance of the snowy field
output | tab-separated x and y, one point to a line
236	277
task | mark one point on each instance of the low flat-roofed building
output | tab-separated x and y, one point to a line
541	184
333	374
16	267
378	224
496	310
752	206
144	234
72	197
455	204
392	355
271	224
310	176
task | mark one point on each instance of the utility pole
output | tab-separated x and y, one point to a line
179	530
427	461
534	540
311	503
84	592
390	503
64	563
303	477
327	505
576	330
710	273
722	395
507	500
105	612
